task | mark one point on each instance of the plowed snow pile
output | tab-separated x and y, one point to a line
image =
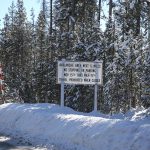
47	124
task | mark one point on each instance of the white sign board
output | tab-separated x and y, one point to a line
88	73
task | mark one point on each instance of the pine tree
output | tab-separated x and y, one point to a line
41	57
145	85
17	67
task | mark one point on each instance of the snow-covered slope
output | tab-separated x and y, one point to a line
46	124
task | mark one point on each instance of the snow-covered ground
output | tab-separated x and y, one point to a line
50	125
11	143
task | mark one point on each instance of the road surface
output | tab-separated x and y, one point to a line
8	143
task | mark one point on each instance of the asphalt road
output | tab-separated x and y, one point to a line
8	143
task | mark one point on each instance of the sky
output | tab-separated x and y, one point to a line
27	3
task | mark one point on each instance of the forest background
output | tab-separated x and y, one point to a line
71	30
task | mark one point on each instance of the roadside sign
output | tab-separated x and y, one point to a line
87	73
84	73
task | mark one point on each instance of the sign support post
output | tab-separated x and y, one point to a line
62	85
96	88
62	94
95	97
1	85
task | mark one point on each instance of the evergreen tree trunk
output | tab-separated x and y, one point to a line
138	17
99	12
110	10
148	13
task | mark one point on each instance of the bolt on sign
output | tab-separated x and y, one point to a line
87	73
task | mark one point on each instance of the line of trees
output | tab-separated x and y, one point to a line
71	29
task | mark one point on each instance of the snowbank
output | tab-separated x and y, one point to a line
49	124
